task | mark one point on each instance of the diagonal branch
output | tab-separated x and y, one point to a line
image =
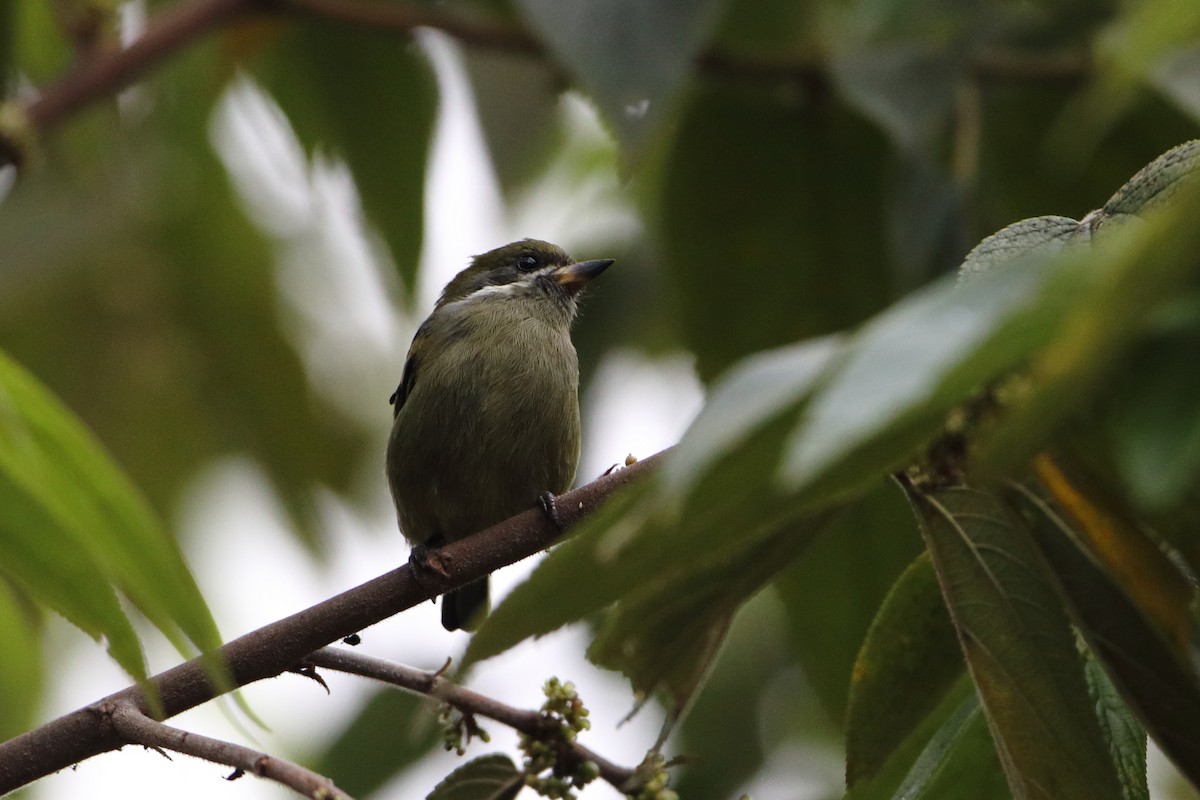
282	645
136	728
433	685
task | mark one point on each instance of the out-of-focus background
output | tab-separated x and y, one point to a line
219	269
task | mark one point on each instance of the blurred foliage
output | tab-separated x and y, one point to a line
807	176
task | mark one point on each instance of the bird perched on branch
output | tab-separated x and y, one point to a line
487	411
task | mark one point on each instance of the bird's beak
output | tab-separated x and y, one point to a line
573	277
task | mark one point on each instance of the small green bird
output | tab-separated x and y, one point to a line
487	411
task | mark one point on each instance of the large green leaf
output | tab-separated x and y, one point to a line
1155	673
949	750
751	671
909	663
370	97
1177	75
565	575
769	220
1125	735
1039	235
909	366
666	632
517	101
1147	575
1156	429
1157	183
907	88
1019	648
1134	272
21	662
756	390
39	50
74	525
632	57
390	732
636	541
833	590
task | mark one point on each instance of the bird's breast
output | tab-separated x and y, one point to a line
491	422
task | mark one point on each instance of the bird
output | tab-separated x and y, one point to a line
486	415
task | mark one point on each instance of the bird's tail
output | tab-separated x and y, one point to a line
465	607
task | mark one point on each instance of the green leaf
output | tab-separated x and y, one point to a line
1177	75
1157	183
1147	575
1125	735
566	574
517	101
388	734
1018	646
907	87
757	389
666	632
753	670
950	749
960	754
40	50
1153	671
909	663
8	24
21	662
833	590
73	526
633	57
1131	274
1039	235
490	777
770	221
909	366
371	98
638	541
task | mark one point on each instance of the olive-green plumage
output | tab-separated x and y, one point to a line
487	411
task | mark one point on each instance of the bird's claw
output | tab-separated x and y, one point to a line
549	505
427	563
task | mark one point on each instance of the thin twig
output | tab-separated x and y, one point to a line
110	69
134	727
280	646
433	685
403	18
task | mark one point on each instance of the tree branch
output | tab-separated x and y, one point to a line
282	645
109	69
136	728
433	685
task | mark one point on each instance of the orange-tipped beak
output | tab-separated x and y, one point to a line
574	277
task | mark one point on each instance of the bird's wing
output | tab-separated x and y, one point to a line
406	383
408	378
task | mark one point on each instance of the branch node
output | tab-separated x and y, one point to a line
443	669
309	671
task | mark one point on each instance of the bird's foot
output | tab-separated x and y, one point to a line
426	564
549	505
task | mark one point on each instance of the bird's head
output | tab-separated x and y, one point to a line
528	268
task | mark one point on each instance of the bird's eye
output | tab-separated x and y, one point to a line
527	263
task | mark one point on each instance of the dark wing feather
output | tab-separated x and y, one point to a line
406	384
408	378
